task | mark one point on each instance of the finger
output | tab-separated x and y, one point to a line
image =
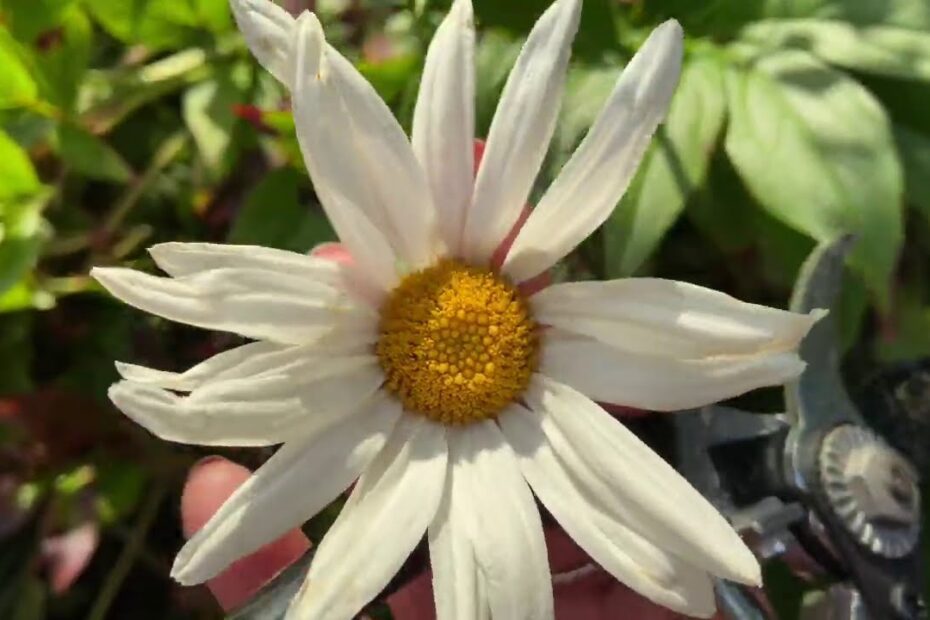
209	483
334	251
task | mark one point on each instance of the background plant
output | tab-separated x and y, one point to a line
123	124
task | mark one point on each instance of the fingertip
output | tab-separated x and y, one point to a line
332	251
210	483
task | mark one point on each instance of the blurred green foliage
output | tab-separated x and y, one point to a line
126	123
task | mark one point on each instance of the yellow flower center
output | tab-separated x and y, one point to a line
457	343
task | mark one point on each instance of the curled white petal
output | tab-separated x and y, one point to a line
256	304
658	383
670	319
259	410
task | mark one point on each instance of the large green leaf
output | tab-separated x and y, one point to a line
816	150
16	84
905	13
90	155
274	216
885	50
674	166
915	155
724	18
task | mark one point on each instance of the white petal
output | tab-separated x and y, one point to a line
182	259
653	382
500	518
635	485
597	175
659	576
268	30
382	521
357	154
252	303
260	410
199	374
444	120
521	130
458	587
300	479
669	319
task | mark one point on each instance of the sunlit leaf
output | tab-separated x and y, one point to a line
208	111
16	171
886	50
816	150
674	166
155	23
16	84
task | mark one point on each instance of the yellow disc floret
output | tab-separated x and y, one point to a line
457	343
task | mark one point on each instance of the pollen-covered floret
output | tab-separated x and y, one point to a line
457	343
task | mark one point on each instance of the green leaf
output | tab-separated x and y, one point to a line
16	353
273	216
885	50
61	63
22	231
22	198
16	84
108	97
208	113
675	165
816	150
496	55
17	176
214	15
595	30
905	13
586	91
119	487
390	77
915	155
28	19
158	24
90	155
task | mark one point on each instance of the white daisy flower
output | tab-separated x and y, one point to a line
423	372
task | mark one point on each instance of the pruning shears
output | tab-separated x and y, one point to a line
815	486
